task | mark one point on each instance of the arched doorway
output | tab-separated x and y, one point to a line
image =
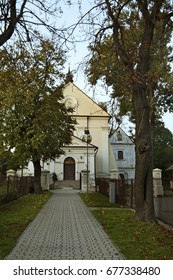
69	168
121	176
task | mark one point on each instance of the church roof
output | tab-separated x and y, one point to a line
118	132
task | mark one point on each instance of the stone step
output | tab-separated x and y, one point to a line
75	184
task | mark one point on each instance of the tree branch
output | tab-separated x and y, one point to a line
119	48
13	19
150	19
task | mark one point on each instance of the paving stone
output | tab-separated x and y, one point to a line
64	229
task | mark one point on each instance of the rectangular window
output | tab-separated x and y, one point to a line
120	155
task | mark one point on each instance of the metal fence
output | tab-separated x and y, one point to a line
13	187
124	190
125	196
163	202
164	209
163	205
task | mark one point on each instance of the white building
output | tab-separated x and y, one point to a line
97	155
124	152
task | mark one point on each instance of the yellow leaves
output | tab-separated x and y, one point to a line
137	233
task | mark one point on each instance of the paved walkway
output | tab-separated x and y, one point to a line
64	229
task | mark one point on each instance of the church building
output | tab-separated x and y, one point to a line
90	150
90	154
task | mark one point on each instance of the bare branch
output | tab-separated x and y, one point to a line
119	48
32	12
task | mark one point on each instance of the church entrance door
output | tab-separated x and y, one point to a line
69	168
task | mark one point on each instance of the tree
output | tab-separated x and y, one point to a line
104	65
34	120
138	32
5	158
21	17
163	146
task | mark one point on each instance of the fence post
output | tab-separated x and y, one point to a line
131	194
157	182
45	179
84	176
10	176
112	192
114	174
10	172
8	184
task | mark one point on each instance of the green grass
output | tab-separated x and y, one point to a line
14	218
96	200
136	240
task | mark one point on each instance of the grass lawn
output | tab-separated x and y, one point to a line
96	200
14	218
136	240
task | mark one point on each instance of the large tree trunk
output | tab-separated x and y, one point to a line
37	174
144	156
139	77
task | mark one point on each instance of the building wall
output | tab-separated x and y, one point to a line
126	165
89	114
80	163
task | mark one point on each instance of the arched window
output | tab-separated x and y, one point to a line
120	155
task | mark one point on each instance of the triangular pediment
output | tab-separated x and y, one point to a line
84	104
120	136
